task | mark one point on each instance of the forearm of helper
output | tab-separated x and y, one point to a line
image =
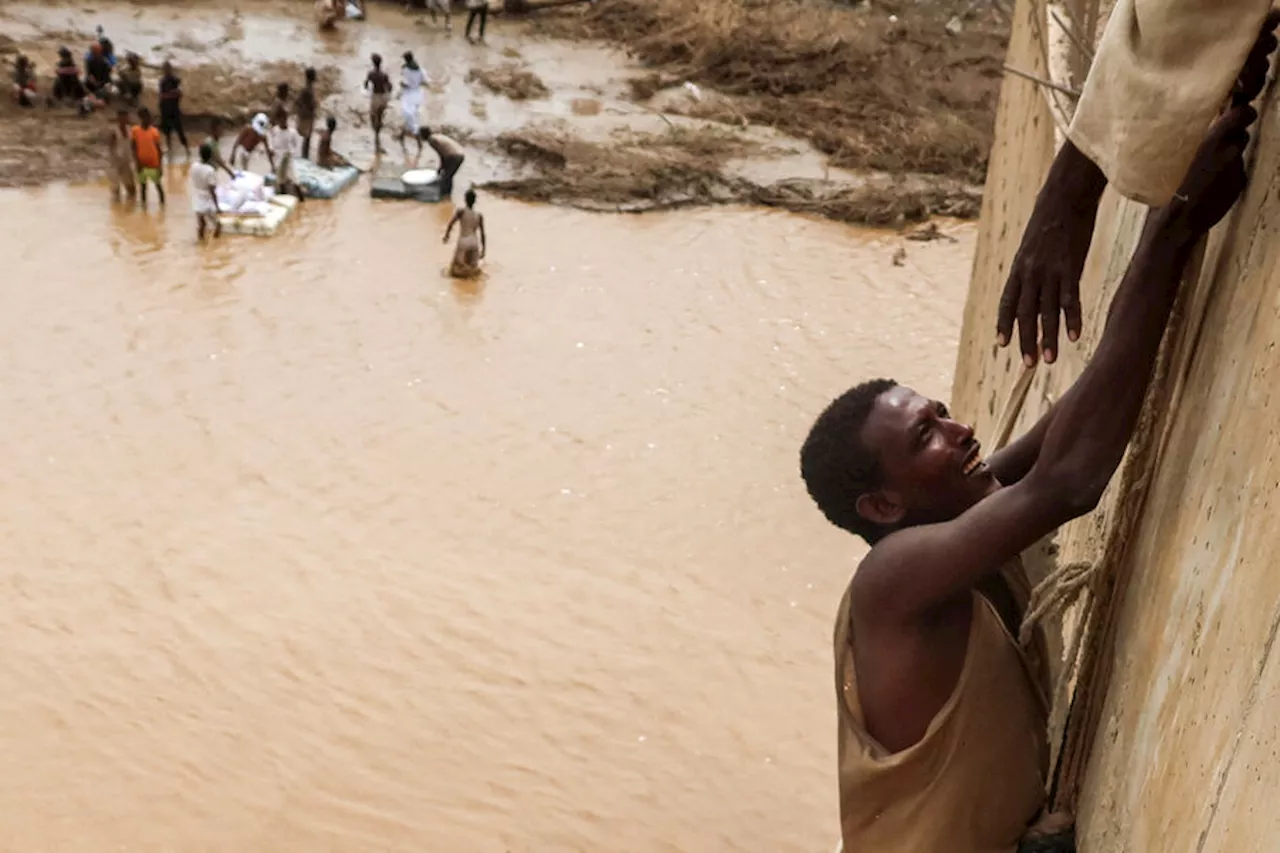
1095	419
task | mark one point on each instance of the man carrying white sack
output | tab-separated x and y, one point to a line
1163	70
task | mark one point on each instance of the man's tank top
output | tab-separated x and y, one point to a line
974	781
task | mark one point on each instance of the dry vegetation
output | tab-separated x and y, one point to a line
685	167
510	79
900	97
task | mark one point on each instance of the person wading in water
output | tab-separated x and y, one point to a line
942	718
472	244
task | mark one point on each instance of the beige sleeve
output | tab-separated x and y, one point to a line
1162	72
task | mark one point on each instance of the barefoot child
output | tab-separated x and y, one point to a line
204	196
380	98
122	173
148	155
472	244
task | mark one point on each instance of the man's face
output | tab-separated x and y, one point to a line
931	468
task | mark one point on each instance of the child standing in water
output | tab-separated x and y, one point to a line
123	175
204	195
148	155
472	244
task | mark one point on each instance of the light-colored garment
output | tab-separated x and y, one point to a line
119	147
411	81
1162	71
284	142
477	4
976	779
204	180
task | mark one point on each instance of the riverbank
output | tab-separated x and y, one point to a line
895	86
863	116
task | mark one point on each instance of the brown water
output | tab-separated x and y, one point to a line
307	547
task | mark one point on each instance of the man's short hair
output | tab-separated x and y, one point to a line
837	466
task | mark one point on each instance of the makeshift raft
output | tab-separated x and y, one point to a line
278	208
413	185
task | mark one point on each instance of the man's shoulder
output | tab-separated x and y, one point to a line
876	582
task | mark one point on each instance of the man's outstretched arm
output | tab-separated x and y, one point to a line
1151	92
915	569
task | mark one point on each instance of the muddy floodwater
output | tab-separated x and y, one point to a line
308	547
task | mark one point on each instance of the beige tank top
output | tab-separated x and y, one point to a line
976	779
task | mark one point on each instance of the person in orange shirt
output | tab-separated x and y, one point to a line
148	155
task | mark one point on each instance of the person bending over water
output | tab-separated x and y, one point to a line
215	140
942	716
451	157
472	244
251	136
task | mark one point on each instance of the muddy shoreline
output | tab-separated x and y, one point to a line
811	120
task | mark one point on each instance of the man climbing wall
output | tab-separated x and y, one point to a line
941	716
1162	71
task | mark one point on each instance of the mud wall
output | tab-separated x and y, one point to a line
1186	758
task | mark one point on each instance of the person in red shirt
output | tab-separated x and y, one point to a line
148	154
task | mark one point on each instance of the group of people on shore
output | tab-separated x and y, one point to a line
140	141
477	13
100	80
137	152
330	12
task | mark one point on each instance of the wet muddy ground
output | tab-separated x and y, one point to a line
570	122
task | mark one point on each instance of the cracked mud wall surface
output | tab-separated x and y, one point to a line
1186	754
